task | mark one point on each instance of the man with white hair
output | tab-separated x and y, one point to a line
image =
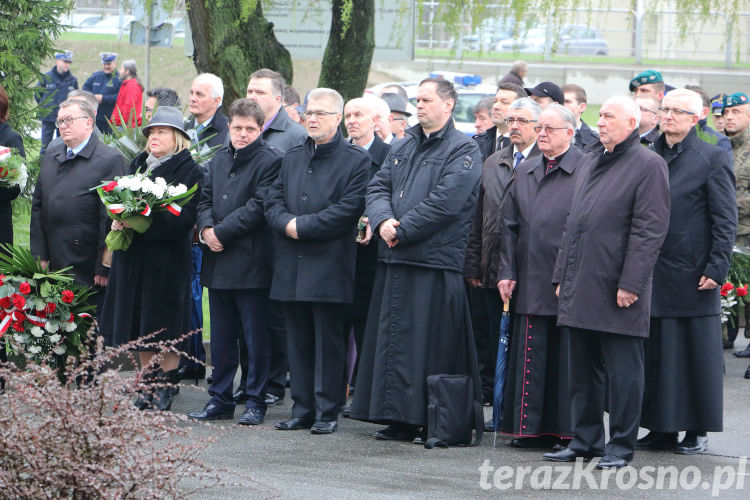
383	119
684	360
313	207
616	225
207	122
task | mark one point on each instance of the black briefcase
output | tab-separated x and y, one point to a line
453	412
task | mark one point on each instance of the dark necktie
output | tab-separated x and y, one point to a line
70	154
519	158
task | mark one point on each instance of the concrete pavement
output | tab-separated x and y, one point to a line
350	464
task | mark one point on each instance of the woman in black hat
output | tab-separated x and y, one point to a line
149	283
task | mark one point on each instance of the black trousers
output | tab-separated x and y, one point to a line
239	314
317	355
279	364
486	307
605	365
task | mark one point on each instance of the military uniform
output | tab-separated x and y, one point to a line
108	85
741	150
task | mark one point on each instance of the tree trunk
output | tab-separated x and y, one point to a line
233	48
346	62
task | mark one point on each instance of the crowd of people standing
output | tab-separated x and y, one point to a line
609	245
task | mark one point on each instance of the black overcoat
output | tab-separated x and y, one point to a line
613	233
585	136
487	142
323	187
232	203
149	283
702	228
11	139
430	185
483	248
216	133
533	216
68	220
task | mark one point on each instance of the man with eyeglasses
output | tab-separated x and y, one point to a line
420	202
68	221
648	130
613	233
314	207
483	247
684	359
399	114
736	116
537	414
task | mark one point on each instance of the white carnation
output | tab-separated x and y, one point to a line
69	326
59	350
37	332
21	339
55	338
177	190
160	181
35	349
158	190
51	326
147	186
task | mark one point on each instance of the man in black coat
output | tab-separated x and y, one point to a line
359	119
613	233
266	87
237	262
496	137
313	207
576	101
516	74
684	360
420	202
483	247
53	89
68	221
207	123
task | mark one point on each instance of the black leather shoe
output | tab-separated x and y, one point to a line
212	412
747	372
293	424
272	399
727	344
745	353
321	427
564	455
239	397
692	445
533	442
252	416
346	411
611	462
489	426
397	433
657	441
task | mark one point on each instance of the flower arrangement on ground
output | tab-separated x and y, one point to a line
13	170
44	315
133	198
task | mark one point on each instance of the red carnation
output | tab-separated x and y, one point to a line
24	288
18	301
41	313
5	303
50	307
18	326
2	277
110	187
72	318
741	291
725	288
67	296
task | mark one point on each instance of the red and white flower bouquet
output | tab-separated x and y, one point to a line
133	198
12	169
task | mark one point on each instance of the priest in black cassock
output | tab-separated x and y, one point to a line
536	404
684	360
420	202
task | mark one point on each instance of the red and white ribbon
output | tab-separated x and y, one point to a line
146	211
116	208
173	208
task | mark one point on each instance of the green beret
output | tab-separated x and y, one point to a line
648	76
736	99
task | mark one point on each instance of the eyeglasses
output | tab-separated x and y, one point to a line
318	114
646	110
547	129
67	121
675	111
520	121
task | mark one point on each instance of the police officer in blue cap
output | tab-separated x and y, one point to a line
53	89
105	85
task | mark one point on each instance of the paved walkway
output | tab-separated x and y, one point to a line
350	464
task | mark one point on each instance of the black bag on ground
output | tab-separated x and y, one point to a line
453	410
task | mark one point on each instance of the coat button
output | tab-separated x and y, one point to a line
524	426
309	170
223	197
528	360
525	393
529	336
526	404
299	255
304	196
528	349
527	382
231	175
528	371
525	416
